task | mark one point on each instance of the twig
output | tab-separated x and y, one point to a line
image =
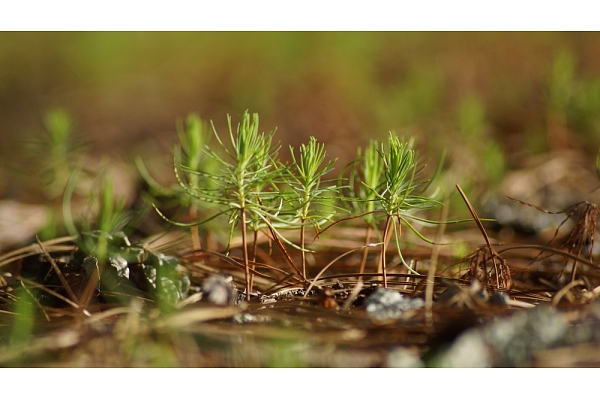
286	255
353	295
279	282
386	240
58	271
32	250
433	266
363	261
563	253
36	301
559	295
483	232
325	268
51	292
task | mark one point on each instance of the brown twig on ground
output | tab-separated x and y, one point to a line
238	264
58	272
501	270
565	291
433	267
90	287
312	283
353	295
286	255
49	291
582	234
363	261
30	250
35	300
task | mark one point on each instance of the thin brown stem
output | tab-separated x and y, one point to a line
302	233
565	290
88	291
57	271
482	230
194	230
286	255
332	262
245	248
254	249
574	270
386	232
35	300
363	262
433	266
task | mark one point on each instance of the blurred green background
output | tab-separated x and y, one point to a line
491	99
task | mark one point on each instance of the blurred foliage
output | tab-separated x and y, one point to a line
495	97
24	317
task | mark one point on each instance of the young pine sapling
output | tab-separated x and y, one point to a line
365	175
400	192
304	178
193	137
243	170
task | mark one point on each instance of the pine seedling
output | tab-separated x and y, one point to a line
105	217
193	137
400	192
304	177
366	174
192	142
245	170
59	142
52	156
243	177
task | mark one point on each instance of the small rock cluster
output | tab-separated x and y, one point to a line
514	341
389	304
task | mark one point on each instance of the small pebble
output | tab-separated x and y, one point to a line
389	304
403	358
500	298
218	290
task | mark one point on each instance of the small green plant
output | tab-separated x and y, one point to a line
247	187
400	192
24	311
193	137
51	157
192	142
304	177
111	215
366	173
62	147
105	214
246	169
